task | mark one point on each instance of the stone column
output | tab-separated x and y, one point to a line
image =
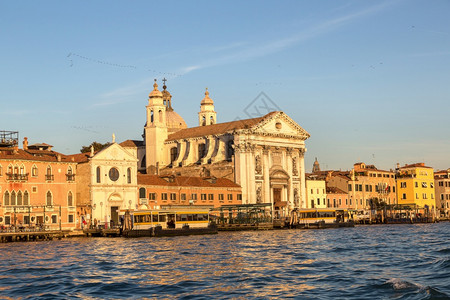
266	175
290	187
302	192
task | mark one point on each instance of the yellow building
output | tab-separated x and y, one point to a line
415	186
316	192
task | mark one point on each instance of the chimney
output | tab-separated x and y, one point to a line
59	157
25	143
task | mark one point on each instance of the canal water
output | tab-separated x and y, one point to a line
378	262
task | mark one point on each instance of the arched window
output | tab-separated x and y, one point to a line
98	174
160	117
48	174
49	198
142	193
203	121
10	169
173	154
19	198
6	199
129	175
69	199
13	198
16	169
151	116
22	170
26	198
211	119
34	171
69	170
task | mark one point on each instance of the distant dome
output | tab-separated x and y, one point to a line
174	121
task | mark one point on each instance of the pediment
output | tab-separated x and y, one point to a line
280	124
279	174
114	152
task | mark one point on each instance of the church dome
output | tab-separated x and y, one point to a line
174	121
207	100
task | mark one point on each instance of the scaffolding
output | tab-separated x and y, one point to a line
9	138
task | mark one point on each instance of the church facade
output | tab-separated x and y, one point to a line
264	155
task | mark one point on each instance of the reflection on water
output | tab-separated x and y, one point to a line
392	261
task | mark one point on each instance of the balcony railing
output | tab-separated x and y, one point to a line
49	177
17	177
70	177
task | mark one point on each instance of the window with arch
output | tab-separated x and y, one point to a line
22	170
160	117
98	175
49	198
69	199
129	175
48	174
211	119
16	169
34	171
19	198
151	116
173	154
69	170
6	199
26	198
203	121
10	169
13	198
142	193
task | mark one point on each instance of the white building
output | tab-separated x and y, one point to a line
264	155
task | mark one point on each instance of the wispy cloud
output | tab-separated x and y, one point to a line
246	51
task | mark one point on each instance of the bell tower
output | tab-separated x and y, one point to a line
155	132
207	115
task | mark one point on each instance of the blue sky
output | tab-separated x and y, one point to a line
369	80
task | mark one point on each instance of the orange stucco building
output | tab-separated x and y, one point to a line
37	186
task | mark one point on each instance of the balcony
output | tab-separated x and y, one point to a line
17	177
49	177
70	177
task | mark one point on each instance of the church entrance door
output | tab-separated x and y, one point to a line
114	215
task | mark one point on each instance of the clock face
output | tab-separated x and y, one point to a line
113	174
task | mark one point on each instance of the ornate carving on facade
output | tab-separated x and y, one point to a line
294	166
289	151
244	147
296	197
302	152
259	195
258	166
265	149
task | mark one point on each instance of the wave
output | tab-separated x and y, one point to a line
410	290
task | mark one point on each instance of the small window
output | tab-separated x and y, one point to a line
98	175
194	196
230	197
210	196
71	218
69	199
54	219
183	197
129	175
34	171
26	198
221	197
239	197
49	199
142	193
173	196
152	196
163	196
203	196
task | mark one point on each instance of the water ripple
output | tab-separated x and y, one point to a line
382	262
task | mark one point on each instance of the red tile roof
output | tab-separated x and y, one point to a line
132	143
36	155
335	190
218	128
420	165
146	179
